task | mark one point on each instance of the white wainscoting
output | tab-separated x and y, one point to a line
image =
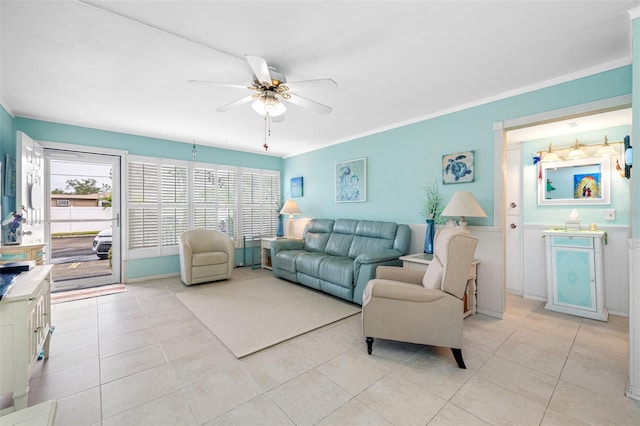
616	266
490	296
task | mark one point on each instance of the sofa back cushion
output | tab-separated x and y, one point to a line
341	237
316	234
371	236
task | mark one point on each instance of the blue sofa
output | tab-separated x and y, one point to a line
340	256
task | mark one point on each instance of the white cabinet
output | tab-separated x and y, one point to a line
575	273
25	321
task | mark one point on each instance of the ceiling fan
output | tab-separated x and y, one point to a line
272	91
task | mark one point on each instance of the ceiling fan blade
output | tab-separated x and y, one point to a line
260	69
321	83
234	104
308	103
213	83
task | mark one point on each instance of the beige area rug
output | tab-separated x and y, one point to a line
68	296
249	316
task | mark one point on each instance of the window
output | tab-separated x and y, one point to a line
260	192
215	199
167	197
62	203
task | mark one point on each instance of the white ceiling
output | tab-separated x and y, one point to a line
124	65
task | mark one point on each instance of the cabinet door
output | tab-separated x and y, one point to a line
574	278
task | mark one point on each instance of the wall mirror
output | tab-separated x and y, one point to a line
581	181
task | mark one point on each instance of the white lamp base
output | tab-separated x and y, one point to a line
290	231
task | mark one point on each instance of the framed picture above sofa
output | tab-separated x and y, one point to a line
351	181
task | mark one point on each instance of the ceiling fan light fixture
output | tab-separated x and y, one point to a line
268	104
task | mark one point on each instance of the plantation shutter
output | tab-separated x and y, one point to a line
215	199
167	197
174	209
260	197
143	218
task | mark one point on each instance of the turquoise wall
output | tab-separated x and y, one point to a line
7	145
141	145
402	161
620	186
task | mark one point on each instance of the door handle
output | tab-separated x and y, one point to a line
513	205
513	226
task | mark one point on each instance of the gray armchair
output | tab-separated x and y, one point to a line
205	255
425	308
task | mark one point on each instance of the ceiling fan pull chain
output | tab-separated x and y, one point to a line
265	145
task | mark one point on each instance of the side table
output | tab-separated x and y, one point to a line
421	261
265	251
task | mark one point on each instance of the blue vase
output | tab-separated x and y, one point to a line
279	232
428	239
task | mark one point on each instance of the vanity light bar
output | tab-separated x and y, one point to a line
605	148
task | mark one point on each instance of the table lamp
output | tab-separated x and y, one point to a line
463	204
290	208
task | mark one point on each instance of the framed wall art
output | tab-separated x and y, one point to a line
458	167
297	189
10	176
351	181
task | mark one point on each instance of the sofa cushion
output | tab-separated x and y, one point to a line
372	236
337	270
287	260
209	258
316	234
309	263
339	244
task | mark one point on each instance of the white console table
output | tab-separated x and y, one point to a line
421	261
25	321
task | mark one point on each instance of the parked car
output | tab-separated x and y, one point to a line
102	243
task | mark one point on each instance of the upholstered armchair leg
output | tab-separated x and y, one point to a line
457	354
369	344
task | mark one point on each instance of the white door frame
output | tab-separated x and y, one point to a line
79	150
500	130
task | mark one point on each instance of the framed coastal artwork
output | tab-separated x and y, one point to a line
10	176
458	167
297	189
351	181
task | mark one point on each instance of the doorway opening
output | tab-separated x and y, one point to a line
83	220
509	141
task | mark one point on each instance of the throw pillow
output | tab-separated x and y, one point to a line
433	277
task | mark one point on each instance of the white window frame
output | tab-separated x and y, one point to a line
267	202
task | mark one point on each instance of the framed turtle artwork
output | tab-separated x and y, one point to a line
458	167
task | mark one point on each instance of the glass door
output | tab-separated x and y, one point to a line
83	220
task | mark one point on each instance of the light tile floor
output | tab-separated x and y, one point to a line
142	358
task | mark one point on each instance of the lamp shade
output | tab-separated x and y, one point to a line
290	208
605	148
576	152
463	204
550	155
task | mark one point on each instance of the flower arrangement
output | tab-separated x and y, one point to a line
431	208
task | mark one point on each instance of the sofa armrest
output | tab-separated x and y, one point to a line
384	255
397	290
286	244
